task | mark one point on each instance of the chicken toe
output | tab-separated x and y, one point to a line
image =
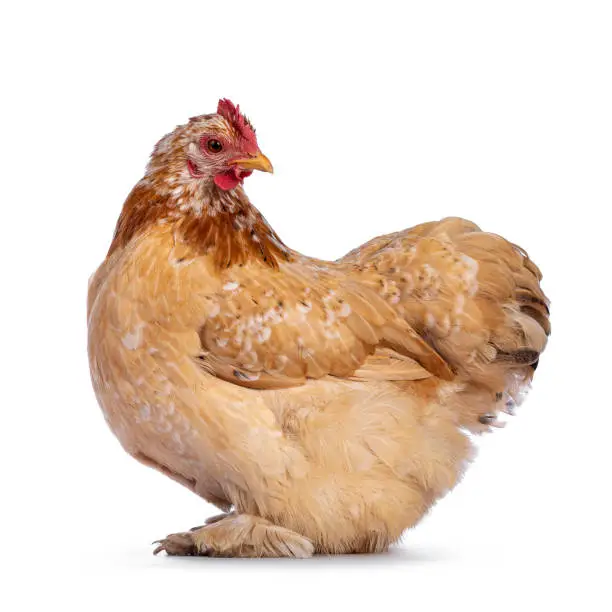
178	545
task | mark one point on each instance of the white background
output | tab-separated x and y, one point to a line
377	116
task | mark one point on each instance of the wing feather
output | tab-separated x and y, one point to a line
275	329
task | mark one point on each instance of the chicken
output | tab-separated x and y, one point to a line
322	406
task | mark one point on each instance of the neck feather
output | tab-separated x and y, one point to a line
221	224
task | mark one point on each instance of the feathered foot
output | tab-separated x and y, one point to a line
237	535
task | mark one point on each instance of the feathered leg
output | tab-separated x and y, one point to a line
238	535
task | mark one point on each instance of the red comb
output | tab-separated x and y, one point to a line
240	123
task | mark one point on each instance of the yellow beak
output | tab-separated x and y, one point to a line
257	162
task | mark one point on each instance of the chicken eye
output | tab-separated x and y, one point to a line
214	146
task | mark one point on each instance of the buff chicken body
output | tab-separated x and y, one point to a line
322	406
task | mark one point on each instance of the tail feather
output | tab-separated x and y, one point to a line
476	298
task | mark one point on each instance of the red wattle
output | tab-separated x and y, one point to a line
227	180
230	179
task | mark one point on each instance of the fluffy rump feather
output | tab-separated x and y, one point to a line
477	300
